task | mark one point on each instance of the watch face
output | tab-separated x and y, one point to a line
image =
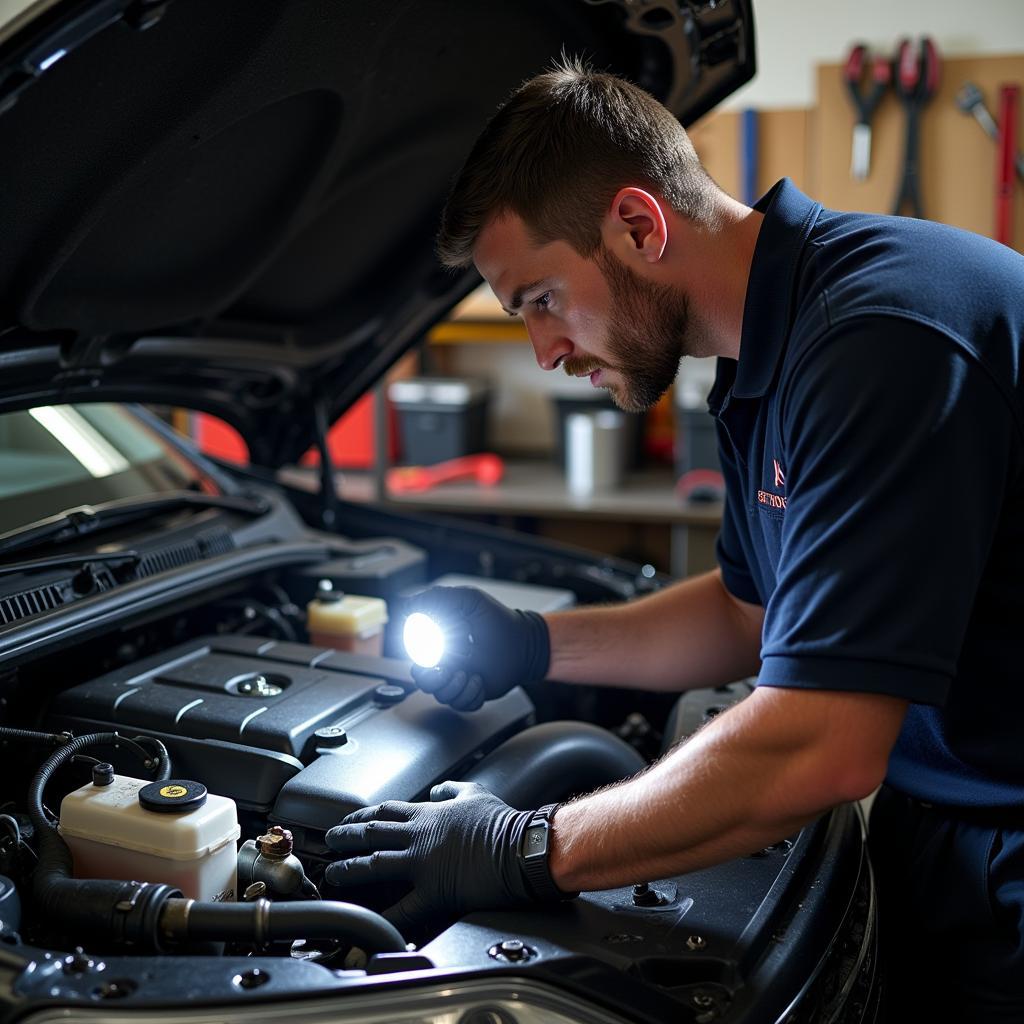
535	841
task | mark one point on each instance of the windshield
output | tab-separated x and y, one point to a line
61	456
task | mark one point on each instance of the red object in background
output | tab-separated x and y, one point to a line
350	441
701	485
1006	162
485	468
660	430
217	438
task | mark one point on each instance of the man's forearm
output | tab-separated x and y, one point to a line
753	776
693	633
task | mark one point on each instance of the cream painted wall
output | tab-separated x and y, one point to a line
794	35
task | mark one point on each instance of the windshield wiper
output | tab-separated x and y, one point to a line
74	523
114	560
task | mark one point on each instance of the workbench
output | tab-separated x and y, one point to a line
533	495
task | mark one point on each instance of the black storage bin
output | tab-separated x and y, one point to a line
696	434
696	441
439	418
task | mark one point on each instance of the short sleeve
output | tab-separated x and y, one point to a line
898	450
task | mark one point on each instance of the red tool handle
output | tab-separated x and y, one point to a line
907	67
1009	96
918	71
881	71
485	468
855	64
930	57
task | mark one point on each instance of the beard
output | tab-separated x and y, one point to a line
649	331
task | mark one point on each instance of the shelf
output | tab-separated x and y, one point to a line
538	488
479	317
462	331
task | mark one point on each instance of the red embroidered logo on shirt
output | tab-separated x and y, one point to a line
770	499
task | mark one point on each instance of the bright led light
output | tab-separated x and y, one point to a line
424	641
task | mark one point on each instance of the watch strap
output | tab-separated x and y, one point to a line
535	853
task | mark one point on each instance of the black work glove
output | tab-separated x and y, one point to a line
489	648
460	852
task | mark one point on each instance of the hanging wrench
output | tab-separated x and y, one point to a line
916	80
865	101
970	100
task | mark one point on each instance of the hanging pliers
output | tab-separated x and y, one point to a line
865	103
917	81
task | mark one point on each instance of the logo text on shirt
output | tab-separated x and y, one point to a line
768	498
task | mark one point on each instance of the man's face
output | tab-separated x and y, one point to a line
595	318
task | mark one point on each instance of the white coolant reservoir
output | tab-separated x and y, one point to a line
171	831
346	622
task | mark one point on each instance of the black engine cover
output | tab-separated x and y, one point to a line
303	733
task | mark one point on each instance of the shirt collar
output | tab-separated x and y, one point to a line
789	216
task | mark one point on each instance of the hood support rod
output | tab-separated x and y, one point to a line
328	491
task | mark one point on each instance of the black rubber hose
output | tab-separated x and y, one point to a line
263	921
553	762
50	739
127	912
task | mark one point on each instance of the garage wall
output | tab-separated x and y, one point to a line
798	41
795	35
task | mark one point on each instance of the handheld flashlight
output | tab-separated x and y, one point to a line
423	639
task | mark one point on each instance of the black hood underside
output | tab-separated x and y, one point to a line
230	206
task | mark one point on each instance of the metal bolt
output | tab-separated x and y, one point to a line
254	892
645	896
387	694
258	686
331	736
703	1001
79	962
696	942
512	950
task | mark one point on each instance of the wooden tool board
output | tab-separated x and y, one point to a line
957	160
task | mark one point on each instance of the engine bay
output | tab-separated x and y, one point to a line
294	734
224	693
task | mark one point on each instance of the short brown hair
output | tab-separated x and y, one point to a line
556	153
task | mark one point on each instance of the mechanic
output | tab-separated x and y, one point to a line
871	558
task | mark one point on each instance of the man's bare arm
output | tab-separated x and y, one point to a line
752	776
694	633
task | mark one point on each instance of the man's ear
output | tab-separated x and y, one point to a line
635	226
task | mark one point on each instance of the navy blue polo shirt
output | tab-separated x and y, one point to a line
872	442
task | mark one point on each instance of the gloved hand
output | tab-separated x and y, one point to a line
460	852
488	648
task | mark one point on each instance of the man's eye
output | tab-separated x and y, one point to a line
543	301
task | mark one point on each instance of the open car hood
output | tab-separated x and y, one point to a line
230	206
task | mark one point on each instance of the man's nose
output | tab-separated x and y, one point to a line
550	346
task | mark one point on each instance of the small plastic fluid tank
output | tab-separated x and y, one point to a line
171	831
346	622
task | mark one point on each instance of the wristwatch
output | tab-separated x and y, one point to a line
534	851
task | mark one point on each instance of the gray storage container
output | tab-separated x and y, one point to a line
439	418
696	436
594	402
